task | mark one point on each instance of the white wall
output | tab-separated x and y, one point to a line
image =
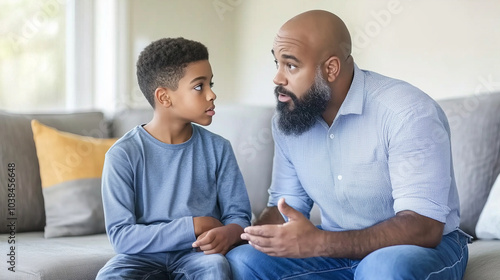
197	20
447	48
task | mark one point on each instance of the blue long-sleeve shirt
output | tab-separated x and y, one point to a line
387	150
152	190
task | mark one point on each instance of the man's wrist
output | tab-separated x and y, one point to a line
323	244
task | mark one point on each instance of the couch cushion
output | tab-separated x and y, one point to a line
484	260
17	146
475	143
57	258
70	171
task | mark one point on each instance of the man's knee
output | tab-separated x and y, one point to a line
241	260
243	254
395	262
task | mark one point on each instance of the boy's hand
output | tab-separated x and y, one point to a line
204	224
219	240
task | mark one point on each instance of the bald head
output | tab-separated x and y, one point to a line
314	46
322	31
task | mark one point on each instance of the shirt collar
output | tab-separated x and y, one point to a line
353	103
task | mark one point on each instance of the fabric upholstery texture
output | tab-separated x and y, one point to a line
61	258
17	146
70	172
488	225
475	142
484	260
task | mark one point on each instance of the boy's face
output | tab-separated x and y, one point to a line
193	101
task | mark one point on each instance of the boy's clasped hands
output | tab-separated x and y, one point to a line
213	237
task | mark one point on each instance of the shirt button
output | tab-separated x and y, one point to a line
332	136
339	177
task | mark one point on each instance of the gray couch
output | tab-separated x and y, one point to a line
475	124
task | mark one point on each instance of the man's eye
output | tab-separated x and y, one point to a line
211	84
291	66
277	64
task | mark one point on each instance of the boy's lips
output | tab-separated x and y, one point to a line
210	111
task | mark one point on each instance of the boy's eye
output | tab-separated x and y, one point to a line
291	66
200	86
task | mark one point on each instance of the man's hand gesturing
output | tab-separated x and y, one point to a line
297	238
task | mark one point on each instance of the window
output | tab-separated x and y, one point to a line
32	55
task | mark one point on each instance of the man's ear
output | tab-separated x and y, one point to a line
332	66
162	97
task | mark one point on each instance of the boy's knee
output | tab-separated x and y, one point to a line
214	266
217	261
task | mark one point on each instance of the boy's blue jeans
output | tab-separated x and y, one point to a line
185	264
447	261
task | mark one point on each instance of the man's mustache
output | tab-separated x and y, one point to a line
281	90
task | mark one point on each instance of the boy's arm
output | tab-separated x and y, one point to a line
232	194
125	233
234	206
204	224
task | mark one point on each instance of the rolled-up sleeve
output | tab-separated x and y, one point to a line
420	162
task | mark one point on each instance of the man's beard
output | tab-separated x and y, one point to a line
305	111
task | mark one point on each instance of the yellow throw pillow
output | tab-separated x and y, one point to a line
70	171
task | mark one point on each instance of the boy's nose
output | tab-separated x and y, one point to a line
211	95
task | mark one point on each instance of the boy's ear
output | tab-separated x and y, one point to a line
162	97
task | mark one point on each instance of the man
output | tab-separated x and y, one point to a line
372	152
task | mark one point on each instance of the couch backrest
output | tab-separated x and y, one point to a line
18	147
475	142
474	123
248	128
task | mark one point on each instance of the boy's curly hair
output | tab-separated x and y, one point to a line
162	64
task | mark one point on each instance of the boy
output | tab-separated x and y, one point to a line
174	198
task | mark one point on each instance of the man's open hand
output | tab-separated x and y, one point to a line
297	238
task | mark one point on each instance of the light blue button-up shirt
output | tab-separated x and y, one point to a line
387	150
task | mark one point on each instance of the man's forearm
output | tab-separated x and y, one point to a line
406	227
270	215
